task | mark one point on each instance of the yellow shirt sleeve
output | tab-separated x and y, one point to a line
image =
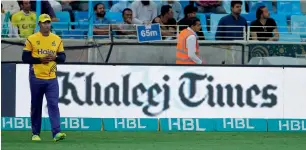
60	47
14	20
27	46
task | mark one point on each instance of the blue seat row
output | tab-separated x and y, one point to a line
290	7
81	18
287	8
298	25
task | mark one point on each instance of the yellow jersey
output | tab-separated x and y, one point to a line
25	23
40	46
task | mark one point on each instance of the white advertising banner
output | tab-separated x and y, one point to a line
295	93
106	91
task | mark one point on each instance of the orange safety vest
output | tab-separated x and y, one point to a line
181	49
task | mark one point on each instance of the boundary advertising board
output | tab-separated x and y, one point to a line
162	124
8	88
95	91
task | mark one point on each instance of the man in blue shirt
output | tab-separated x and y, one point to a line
101	23
226	28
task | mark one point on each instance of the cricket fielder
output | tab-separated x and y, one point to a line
43	50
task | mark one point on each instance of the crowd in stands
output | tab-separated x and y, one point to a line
172	15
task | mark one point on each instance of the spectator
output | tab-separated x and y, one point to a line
121	5
166	21
210	6
2	9
79	5
46	8
144	11
176	6
55	5
24	20
10	6
7	30
67	7
127	28
101	24
263	27
190	12
231	27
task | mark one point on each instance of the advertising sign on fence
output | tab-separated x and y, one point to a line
76	124
172	92
148	33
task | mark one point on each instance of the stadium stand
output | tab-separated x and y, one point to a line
289	7
116	18
288	16
254	5
214	20
284	11
64	21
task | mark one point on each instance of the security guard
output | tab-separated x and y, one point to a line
43	50
187	45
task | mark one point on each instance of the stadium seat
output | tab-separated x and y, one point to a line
185	3
203	21
227	6
288	37
114	17
254	5
73	34
81	17
64	20
282	27
289	8
214	21
281	22
249	17
298	25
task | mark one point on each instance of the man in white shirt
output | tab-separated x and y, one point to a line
7	29
121	5
144	11
10	6
128	27
188	46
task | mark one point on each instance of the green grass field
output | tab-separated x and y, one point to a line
20	140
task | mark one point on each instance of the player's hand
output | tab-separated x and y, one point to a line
51	57
45	60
